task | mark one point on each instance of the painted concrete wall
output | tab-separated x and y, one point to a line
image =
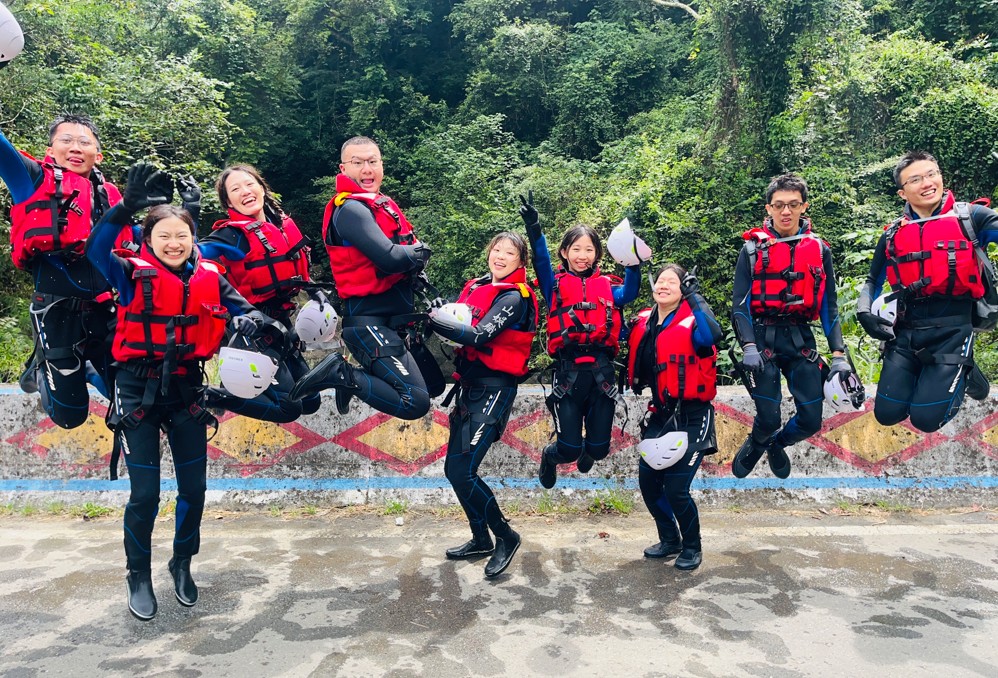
370	457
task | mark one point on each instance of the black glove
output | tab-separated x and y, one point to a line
689	285
190	194
840	365
438	302
752	359
147	186
529	216
875	326
248	324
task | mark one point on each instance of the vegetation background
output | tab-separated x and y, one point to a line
676	115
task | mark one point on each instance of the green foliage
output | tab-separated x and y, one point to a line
615	500
396	507
15	346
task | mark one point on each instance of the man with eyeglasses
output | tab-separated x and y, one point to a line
784	280
929	258
56	202
375	260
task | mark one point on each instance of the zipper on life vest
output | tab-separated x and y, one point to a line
183	308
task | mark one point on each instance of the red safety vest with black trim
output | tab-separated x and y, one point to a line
582	315
680	374
933	257
788	274
509	351
354	274
169	319
57	217
277	261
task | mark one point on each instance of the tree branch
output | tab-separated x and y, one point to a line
679	5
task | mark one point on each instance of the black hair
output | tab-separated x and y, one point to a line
907	160
160	212
787	182
675	268
74	119
575	233
357	141
519	242
270	203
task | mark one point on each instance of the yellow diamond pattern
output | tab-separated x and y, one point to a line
89	442
867	439
731	433
248	440
991	436
407	441
537	435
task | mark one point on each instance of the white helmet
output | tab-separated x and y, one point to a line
844	393
317	322
663	452
626	248
245	374
886	306
11	36
453	314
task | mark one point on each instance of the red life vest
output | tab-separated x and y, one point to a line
509	352
933	257
167	315
354	274
276	261
680	374
582	315
788	274
58	216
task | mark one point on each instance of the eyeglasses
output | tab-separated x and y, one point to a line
357	164
780	206
66	140
919	178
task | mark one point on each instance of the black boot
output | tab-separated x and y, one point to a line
503	555
141	599
342	398
689	559
747	457
779	460
664	549
183	583
332	372
585	463
548	471
479	545
29	378
978	386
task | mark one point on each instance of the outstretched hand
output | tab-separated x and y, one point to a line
529	215
147	186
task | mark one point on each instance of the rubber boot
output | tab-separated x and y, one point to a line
548	471
479	545
506	547
332	372
183	582
746	458
978	386
141	599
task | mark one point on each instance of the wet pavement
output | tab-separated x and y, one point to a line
350	593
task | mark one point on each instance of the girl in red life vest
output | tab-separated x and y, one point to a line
172	313
266	258
673	351
493	357
583	327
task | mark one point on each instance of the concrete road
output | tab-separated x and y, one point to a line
353	594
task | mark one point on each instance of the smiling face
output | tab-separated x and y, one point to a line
504	258
922	186
666	292
785	209
245	194
580	255
362	163
75	147
172	242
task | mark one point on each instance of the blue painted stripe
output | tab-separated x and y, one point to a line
402	483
